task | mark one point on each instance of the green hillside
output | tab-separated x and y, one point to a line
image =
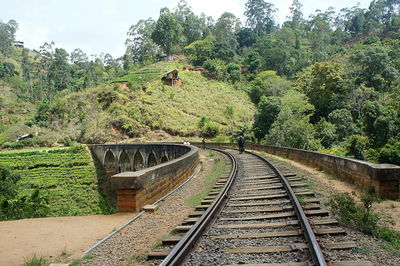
65	177
111	111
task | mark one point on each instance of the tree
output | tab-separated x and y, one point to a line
226	28
233	72
59	74
201	50
7	70
380	123
376	67
79	58
323	84
168	32
326	132
253	63
344	124
267	111
320	30
7	36
26	65
140	47
246	37
356	146
268	83
292	127
260	16
223	51
194	27
296	15
215	68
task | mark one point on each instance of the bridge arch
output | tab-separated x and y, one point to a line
110	168
138	162
152	160
124	162
110	162
164	159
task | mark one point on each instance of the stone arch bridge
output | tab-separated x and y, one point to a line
141	173
118	158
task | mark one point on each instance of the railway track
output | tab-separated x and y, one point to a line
257	214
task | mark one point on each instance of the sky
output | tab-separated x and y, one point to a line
97	26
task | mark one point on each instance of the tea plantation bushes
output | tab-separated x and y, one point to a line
65	177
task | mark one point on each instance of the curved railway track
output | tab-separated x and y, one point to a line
257	214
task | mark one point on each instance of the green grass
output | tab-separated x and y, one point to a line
195	200
66	177
211	178
36	260
78	262
156	245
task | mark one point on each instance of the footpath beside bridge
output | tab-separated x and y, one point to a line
142	173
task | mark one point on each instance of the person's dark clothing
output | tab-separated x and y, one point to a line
241	144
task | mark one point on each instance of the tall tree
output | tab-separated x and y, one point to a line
296	14
59	71
194	27
225	29
260	16
78	57
26	65
168	32
140	47
7	35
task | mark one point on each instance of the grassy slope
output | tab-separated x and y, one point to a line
66	176
13	113
149	104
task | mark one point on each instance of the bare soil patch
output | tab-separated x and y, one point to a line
49	237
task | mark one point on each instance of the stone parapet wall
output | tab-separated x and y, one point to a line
136	189
384	178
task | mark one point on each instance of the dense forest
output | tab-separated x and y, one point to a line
329	82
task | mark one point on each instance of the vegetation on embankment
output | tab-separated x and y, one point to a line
49	182
219	167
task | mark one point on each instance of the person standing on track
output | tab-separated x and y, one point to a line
241	143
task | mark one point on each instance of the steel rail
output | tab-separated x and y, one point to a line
181	250
314	247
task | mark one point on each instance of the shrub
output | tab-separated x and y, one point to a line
360	216
216	68
233	72
209	130
357	215
390	153
356	146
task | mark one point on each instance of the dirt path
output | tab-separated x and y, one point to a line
50	237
